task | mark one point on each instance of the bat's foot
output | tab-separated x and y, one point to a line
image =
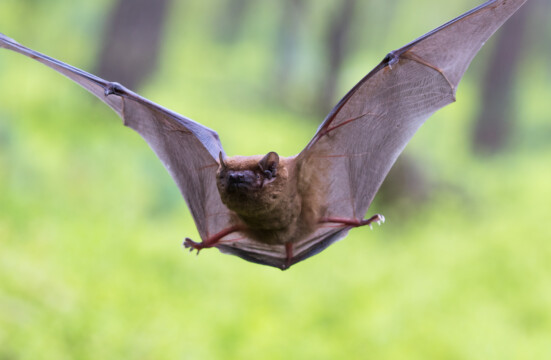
377	218
211	241
192	245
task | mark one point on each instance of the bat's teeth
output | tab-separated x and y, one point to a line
371	226
381	219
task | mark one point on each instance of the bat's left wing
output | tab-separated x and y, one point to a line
188	150
365	132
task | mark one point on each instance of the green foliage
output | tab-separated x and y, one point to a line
91	225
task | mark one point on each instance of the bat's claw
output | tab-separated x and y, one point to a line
192	245
377	218
113	88
210	241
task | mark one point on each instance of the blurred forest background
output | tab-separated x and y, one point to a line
91	225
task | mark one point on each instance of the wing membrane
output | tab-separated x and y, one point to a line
188	150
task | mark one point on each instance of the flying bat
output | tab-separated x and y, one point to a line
276	210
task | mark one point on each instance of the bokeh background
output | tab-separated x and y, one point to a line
91	225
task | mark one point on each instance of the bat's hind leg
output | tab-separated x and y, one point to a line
211	241
288	255
377	218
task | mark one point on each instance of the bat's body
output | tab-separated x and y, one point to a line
263	200
275	206
279	211
274	201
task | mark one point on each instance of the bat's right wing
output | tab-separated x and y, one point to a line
188	150
366	131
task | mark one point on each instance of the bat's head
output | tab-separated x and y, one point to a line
254	186
247	174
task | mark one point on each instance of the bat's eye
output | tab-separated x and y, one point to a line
270	173
257	177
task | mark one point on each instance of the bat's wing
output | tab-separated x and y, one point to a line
365	132
188	150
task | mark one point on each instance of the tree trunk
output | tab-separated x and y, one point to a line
493	127
286	44
338	37
132	41
230	19
406	185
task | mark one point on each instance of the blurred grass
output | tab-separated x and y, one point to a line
91	225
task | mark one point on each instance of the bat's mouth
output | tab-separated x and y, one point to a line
238	187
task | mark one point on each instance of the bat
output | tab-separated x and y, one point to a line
277	211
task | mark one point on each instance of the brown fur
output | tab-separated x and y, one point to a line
285	209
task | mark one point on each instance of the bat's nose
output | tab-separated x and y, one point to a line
236	178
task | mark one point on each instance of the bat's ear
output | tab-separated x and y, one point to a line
269	163
222	163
